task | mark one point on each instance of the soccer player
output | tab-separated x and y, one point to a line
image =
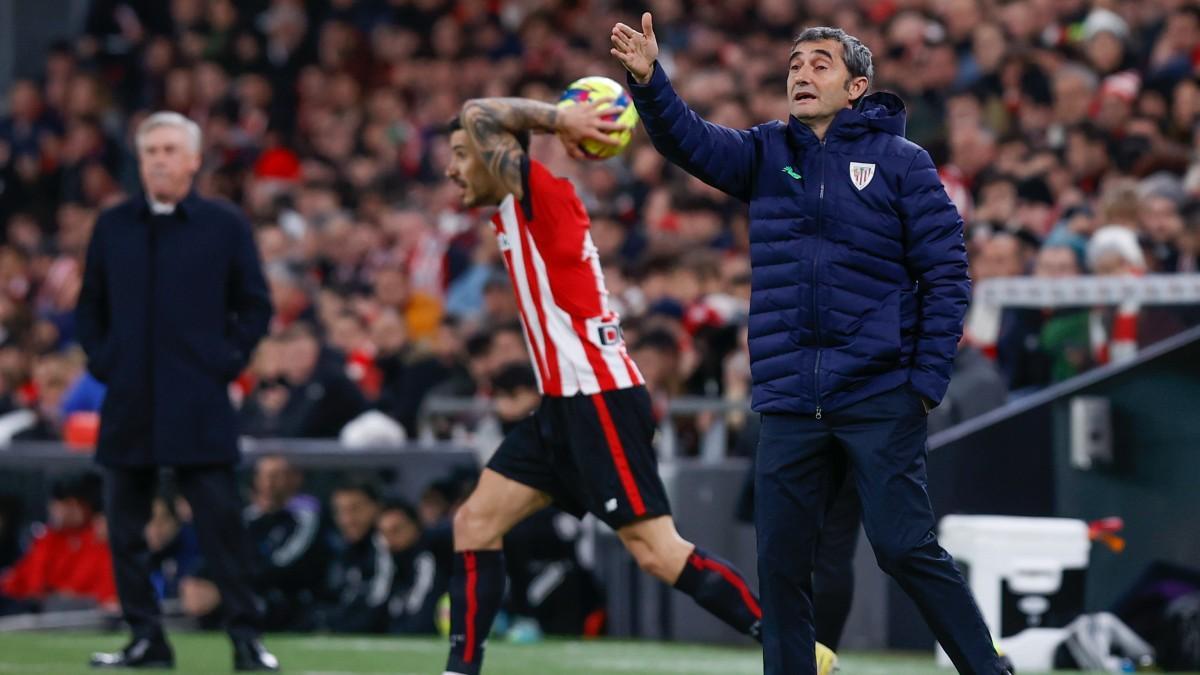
587	447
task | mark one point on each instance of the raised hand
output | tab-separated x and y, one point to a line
579	123
636	51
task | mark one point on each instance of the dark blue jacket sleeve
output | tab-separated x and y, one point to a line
249	301
720	156
92	310
936	256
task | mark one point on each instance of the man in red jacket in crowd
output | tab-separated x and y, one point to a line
69	556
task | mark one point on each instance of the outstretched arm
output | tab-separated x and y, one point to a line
722	157
492	122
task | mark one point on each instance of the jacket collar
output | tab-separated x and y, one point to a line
184	209
882	111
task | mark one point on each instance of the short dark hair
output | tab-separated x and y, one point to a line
402	506
85	487
362	485
855	54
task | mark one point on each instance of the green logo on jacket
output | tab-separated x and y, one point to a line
791	172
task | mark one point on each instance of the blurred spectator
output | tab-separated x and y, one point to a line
10	530
324	125
174	548
359	578
286	530
295	397
548	582
514	394
68	560
418	583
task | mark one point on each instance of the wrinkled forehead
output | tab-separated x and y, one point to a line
830	49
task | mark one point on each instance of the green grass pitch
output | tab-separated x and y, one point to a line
59	653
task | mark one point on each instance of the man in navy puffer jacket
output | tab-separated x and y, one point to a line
859	291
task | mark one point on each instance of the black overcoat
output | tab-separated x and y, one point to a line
170	311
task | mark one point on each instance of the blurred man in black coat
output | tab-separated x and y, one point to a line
172	305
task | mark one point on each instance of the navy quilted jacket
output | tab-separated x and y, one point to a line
859	269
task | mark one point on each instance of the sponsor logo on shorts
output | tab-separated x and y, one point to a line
610	505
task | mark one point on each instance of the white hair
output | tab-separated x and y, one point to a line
166	118
1118	240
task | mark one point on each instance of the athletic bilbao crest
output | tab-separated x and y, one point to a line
861	174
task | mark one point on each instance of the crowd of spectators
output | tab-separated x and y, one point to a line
1064	131
356	559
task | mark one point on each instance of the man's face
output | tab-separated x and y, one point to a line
1072	97
398	530
271	481
467	170
354	514
167	163
1056	262
1001	257
300	356
818	83
1161	219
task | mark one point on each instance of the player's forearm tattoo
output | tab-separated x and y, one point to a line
519	114
491	124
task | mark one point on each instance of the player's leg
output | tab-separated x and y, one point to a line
478	579
613	446
885	437
714	584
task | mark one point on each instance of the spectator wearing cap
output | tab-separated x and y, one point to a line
1105	35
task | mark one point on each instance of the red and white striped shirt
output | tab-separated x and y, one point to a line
574	338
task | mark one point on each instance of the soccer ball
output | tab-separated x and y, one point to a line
612	97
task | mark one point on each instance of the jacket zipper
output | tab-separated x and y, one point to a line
816	258
150	291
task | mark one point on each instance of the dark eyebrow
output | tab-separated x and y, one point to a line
823	52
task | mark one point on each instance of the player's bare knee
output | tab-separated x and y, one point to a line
651	560
473	528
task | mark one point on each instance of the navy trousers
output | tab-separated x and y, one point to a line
801	462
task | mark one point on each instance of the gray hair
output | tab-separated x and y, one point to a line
166	118
856	55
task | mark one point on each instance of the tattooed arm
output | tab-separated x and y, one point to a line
492	123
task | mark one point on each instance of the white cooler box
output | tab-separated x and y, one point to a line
1027	575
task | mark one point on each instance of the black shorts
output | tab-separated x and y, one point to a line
590	453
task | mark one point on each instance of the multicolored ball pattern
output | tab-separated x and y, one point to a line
611	96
